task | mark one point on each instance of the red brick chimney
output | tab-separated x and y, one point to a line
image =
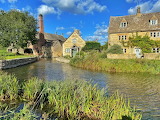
41	26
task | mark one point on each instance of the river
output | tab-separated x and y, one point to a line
143	90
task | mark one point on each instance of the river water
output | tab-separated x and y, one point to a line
143	90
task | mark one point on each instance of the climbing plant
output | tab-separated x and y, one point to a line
144	43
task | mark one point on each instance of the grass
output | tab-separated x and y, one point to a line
4	55
69	100
98	62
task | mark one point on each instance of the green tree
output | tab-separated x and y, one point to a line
144	43
105	46
91	45
115	49
18	28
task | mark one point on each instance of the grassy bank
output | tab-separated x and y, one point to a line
69	99
99	62
4	55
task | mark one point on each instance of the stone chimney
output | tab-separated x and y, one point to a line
77	31
41	26
139	11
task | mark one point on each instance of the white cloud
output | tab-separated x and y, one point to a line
60	28
129	1
2	1
69	33
12	1
27	8
101	33
146	7
76	6
44	9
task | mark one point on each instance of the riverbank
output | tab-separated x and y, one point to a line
6	64
62	60
98	62
81	100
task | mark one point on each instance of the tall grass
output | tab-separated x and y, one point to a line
69	100
96	61
8	87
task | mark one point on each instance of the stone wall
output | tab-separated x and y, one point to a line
6	64
152	56
121	56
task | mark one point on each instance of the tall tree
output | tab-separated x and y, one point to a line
17	28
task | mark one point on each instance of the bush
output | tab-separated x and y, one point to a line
115	49
91	45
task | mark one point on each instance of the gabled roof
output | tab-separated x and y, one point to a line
135	23
52	37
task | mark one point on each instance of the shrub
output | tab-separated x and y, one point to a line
91	45
115	49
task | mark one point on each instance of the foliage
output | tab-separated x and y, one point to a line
8	87
17	28
144	43
91	45
105	46
81	100
115	49
23	114
93	61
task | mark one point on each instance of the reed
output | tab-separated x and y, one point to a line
69	99
95	61
8	87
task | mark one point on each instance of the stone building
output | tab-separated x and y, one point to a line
123	27
48	45
73	44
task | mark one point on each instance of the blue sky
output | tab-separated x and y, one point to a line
91	17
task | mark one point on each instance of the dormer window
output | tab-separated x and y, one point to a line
123	24
153	22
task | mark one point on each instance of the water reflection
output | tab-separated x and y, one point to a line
143	90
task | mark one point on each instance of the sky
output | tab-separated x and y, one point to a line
91	17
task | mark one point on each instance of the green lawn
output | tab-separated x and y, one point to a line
4	55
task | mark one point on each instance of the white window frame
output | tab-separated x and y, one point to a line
153	22
155	34
67	50
156	50
123	24
124	50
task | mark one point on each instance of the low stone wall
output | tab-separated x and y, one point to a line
152	56
121	56
6	64
63	60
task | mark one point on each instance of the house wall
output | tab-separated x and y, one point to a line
57	50
68	44
114	39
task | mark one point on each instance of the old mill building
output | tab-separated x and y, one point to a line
53	45
123	27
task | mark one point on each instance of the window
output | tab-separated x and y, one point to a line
74	40
67	50
124	50
123	37
156	50
123	24
155	34
153	22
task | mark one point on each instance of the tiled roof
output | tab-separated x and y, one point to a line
135	23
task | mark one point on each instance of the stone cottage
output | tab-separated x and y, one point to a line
73	44
123	27
48	45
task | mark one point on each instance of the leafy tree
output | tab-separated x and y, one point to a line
105	46
144	43
91	45
115	49
18	28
